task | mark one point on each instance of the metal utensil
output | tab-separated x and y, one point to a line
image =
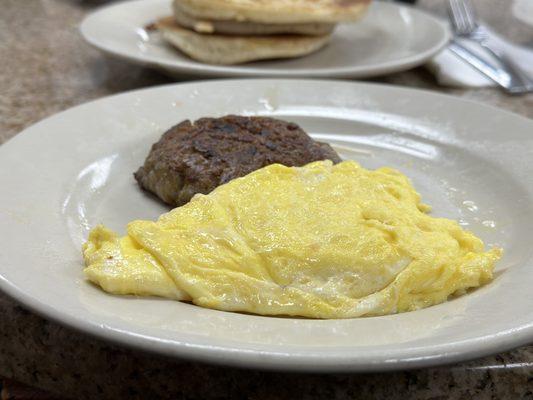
507	74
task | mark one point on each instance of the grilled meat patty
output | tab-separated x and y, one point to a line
196	157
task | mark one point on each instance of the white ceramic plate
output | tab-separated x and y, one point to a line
71	171
390	38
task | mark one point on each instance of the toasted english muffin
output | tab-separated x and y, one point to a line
246	27
233	49
276	11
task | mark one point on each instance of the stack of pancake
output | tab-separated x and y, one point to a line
239	31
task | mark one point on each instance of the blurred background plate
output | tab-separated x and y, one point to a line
391	37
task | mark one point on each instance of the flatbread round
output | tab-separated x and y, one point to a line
230	49
276	11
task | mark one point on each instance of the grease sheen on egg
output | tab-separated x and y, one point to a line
319	241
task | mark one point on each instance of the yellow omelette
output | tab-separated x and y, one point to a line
319	241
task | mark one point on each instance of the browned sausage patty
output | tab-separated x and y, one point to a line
196	157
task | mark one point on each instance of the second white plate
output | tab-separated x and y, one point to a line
390	38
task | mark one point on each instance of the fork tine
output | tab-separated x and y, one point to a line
456	16
464	16
470	15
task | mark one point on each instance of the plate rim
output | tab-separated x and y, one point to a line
273	360
236	71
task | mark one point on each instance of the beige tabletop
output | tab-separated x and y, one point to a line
45	67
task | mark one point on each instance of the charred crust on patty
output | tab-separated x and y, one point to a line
196	157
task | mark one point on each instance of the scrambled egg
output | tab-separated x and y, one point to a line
320	241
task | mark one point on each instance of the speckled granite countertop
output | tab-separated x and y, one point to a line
46	68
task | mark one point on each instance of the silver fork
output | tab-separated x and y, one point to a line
465	24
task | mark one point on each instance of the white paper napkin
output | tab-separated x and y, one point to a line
523	10
452	71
